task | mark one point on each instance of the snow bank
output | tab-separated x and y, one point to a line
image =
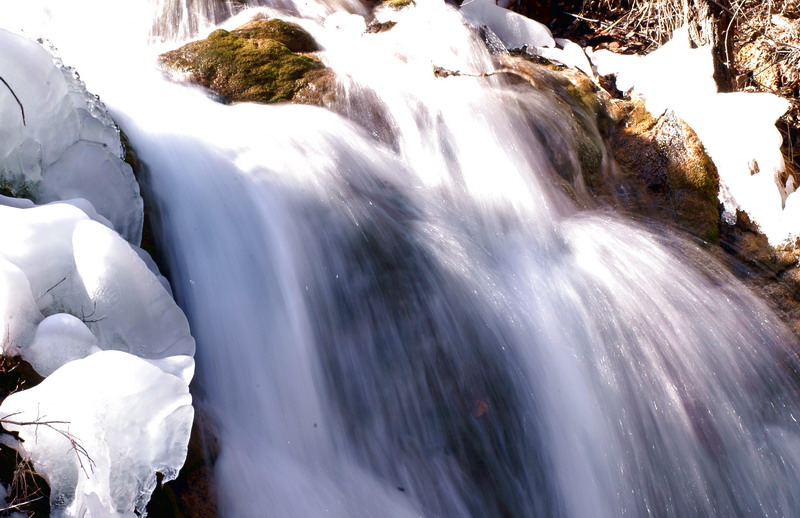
116	420
737	129
57	141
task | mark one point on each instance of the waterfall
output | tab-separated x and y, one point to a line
398	313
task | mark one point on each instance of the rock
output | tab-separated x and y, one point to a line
376	27
581	104
668	157
293	36
397	4
258	62
792	279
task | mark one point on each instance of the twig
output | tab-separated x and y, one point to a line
73	441
443	72
86	319
21	108
51	288
579	17
17	506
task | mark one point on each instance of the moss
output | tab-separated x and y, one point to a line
16	190
397	4
293	36
590	156
247	68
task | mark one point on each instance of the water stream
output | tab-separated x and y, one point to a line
399	314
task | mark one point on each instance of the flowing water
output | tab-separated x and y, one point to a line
399	314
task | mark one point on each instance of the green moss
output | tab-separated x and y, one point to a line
590	156
397	4
247	68
293	36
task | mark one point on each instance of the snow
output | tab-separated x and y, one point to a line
567	53
514	30
737	129
66	146
129	420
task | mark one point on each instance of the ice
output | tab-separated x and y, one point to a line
132	310
514	30
87	208
179	366
115	420
20	203
65	146
71	289
59	339
737	129
18	309
78	266
75	175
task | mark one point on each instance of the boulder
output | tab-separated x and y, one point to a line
261	61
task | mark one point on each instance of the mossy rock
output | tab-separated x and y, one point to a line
397	4
668	158
293	36
244	66
576	102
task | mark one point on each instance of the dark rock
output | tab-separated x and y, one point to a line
376	27
193	493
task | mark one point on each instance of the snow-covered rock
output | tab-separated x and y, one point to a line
57	141
114	421
737	129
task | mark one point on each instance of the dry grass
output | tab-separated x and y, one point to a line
762	42
649	23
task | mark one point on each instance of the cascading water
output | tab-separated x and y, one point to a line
397	315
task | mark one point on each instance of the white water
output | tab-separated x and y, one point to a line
399	316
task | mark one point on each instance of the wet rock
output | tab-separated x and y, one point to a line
576	100
260	61
666	155
376	27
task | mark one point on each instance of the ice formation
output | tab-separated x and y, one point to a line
85	307
514	30
57	141
129	413
78	266
108	423
737	129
